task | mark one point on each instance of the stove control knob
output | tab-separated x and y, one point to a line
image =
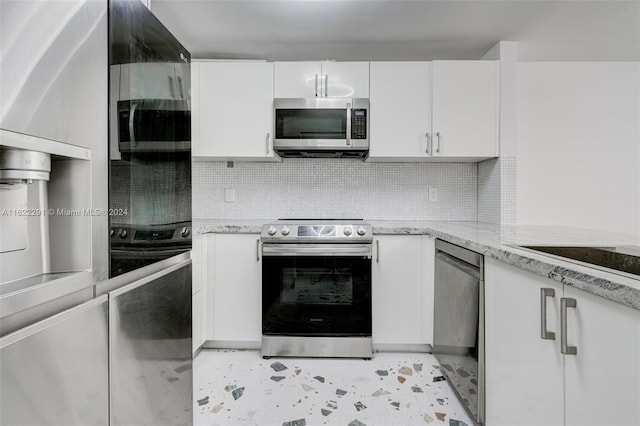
112	232
272	230
347	230
185	232
122	233
361	231
285	230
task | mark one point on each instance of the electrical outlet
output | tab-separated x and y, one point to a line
229	195
433	194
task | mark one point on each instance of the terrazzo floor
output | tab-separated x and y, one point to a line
392	389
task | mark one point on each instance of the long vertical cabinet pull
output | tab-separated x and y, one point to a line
377	251
258	250
316	85
438	139
566	302
268	140
544	334
428	141
326	85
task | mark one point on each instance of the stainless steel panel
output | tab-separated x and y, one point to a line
468	256
338	347
16	296
457	292
317	250
459	322
150	350
319	103
55	372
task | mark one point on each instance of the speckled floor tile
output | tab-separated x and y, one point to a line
240	388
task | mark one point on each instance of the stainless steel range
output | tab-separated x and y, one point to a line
316	288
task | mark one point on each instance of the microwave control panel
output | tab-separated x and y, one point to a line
359	124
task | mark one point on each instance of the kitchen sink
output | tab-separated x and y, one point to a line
610	259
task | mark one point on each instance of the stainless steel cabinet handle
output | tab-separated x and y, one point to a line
258	250
544	334
348	125
326	85
566	302
180	87
172	88
268	142
132	115
438	139
316	85
377	251
428	141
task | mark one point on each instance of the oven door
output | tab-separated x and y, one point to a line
316	289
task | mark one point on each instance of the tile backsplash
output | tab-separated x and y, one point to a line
335	188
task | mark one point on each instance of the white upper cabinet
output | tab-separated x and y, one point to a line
149	80
233	110
321	79
434	111
465	108
400	110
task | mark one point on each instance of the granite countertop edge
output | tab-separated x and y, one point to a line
495	242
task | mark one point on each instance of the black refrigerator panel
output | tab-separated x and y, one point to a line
149	140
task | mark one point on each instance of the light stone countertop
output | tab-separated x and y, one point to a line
496	242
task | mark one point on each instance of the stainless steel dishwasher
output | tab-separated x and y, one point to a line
458	341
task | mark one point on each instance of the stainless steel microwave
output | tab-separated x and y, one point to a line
154	125
321	127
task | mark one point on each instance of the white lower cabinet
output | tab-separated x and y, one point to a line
197	291
400	291
235	300
529	381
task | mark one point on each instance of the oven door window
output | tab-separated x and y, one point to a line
311	124
318	296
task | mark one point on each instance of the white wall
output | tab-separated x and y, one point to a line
579	145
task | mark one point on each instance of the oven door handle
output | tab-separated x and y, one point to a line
335	250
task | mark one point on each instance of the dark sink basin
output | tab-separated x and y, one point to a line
605	257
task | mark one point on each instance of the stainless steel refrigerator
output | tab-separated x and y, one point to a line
150	358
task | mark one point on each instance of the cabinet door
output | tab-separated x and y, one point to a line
235	110
183	81
196	316
400	110
298	79
524	373
237	289
345	79
148	80
465	108
397	290
603	378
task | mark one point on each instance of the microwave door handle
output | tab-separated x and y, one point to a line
348	124
132	135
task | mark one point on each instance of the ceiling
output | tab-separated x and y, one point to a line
546	30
